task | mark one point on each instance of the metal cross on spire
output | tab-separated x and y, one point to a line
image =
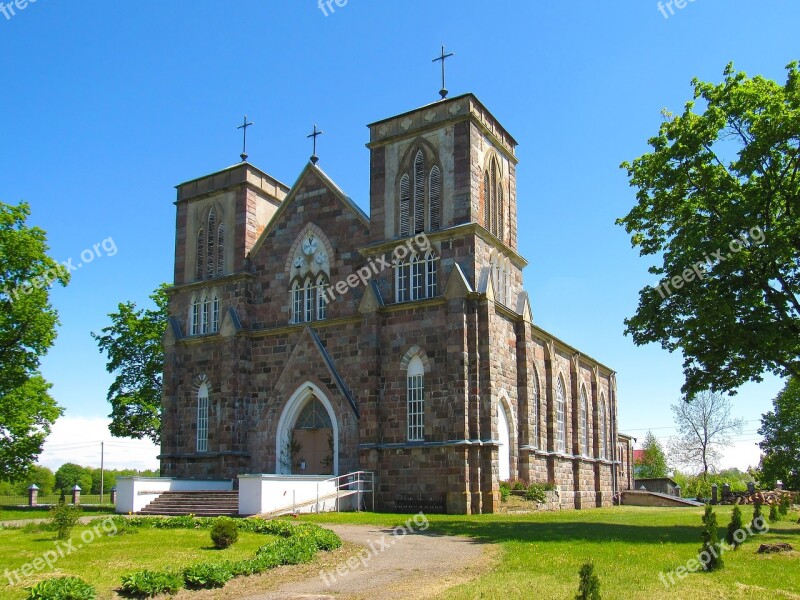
315	134
443	93
244	127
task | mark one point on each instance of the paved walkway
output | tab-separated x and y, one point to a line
414	566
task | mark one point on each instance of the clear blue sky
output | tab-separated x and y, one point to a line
105	106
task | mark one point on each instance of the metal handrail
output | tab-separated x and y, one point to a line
365	481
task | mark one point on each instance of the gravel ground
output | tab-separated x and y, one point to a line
413	566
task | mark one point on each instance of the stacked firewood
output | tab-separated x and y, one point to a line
765	498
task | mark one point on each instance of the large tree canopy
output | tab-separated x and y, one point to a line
133	344
719	203
27	331
781	444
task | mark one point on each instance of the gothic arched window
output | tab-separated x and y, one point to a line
415	390
201	251
435	200
584	401
603	429
212	228
535	416
494	199
561	421
215	314
431	276
402	281
194	317
405	206
221	250
202	418
297	302
419	193
308	301
322	298
417	277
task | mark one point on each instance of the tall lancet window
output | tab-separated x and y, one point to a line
435	200
584	401
405	206
561	421
202	418
201	253
419	193
494	209
415	390
212	244
603	429
221	250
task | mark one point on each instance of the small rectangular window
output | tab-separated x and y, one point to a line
202	423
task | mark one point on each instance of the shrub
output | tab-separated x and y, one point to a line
505	491
785	505
519	485
63	518
758	517
734	526
205	576
146	584
589	588
63	588
773	513
224	533
710	547
536	492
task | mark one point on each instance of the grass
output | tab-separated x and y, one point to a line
105	560
630	546
18	513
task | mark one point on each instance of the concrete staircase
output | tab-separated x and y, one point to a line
201	504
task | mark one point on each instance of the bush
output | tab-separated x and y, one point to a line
519	485
63	518
146	584
63	588
734	526
710	547
785	505
536	492
505	491
773	513
205	576
758	518
589	588
224	533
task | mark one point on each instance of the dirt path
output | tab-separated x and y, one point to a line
413	566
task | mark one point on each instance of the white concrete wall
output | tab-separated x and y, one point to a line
260	494
134	493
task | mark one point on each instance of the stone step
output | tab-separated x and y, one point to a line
201	504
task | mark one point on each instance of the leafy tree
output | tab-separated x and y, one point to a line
653	463
27	331
705	425
710	555
717	204
781	444
135	355
70	474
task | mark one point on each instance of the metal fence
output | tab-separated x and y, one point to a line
87	499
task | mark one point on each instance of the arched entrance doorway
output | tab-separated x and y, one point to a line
504	436
308	435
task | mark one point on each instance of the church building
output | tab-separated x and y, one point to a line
309	338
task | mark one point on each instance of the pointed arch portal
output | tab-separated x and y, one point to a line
308	435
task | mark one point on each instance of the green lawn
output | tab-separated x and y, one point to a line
16	513
630	546
103	561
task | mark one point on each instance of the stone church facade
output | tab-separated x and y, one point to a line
307	337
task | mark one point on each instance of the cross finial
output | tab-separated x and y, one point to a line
443	93
315	134
244	127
